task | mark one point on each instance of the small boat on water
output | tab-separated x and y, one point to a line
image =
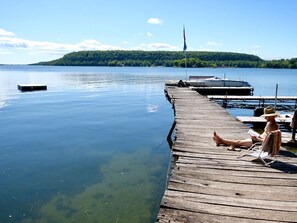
212	85
213	81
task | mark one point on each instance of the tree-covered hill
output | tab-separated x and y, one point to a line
167	59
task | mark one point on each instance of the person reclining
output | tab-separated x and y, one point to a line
271	125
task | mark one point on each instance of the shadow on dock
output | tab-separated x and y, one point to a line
284	167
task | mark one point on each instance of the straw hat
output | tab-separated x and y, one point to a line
269	112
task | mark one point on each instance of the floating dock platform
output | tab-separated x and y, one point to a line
212	90
209	184
32	87
262	120
257	100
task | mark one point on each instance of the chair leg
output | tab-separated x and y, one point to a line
246	153
268	164
272	161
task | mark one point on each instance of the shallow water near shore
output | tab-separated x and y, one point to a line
92	148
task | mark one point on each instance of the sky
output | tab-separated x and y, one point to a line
33	30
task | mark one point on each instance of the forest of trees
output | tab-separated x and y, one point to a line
168	59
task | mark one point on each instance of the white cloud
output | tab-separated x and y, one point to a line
6	33
2	52
255	49
210	46
156	46
91	44
155	21
256	46
13	46
212	43
7	44
149	34
51	47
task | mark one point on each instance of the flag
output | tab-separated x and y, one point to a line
184	34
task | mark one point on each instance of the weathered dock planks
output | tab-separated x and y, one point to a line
209	184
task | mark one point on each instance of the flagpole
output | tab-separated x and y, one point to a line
186	65
185	50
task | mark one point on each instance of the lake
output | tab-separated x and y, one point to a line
92	148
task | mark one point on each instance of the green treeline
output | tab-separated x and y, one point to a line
168	59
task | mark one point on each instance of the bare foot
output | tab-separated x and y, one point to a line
216	138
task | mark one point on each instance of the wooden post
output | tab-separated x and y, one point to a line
225	101
294	125
276	89
169	140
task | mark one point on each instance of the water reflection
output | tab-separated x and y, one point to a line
152	108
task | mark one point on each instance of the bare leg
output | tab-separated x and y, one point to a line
233	143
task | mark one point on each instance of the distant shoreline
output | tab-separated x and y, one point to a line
195	59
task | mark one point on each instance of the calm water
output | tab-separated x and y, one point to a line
92	147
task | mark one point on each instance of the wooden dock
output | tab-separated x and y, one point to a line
209	184
215	90
252	97
260	100
253	119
